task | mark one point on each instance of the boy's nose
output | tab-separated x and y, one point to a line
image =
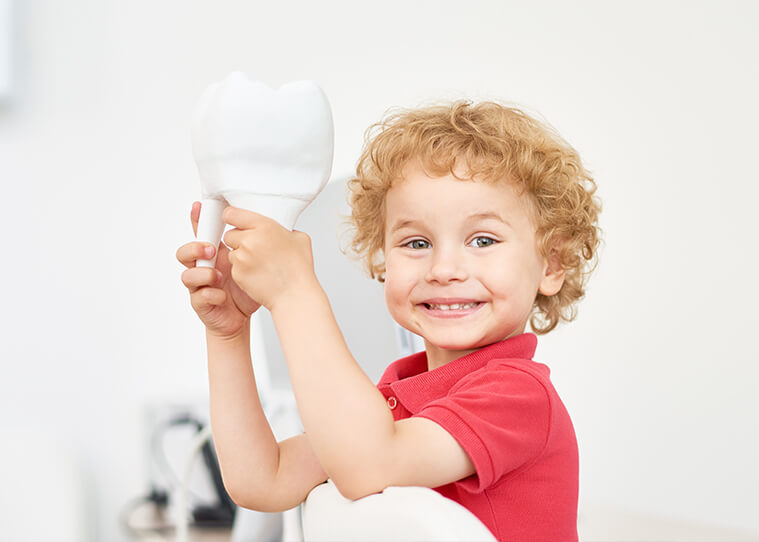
447	267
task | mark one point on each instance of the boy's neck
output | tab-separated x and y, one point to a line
437	357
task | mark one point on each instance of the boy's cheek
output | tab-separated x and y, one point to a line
397	291
393	306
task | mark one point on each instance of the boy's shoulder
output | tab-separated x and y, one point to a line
538	371
504	379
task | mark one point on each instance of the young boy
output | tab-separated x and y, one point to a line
477	218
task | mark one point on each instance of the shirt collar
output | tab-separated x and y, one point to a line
415	386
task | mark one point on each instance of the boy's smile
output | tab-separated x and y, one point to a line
450	308
462	263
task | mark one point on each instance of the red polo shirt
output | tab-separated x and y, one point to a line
503	410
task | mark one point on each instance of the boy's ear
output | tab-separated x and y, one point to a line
553	275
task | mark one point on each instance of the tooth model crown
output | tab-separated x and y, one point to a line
269	151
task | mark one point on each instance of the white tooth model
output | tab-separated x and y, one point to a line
268	151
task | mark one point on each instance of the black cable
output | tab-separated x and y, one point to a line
224	512
159	455
220	514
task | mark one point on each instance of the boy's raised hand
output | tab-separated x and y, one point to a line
269	262
219	302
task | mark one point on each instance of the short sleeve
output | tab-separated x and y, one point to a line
500	415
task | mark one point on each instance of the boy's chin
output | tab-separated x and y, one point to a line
468	343
453	345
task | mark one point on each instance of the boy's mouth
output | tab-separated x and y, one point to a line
451	306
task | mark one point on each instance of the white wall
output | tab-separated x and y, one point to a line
659	97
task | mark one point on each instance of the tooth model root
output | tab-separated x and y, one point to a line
210	226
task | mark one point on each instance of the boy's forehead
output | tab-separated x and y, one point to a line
418	194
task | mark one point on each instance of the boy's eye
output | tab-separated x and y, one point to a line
482	241
418	243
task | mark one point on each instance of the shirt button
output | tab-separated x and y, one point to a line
392	402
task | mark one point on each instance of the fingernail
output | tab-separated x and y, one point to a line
218	275
208	251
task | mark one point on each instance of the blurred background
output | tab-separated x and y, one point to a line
659	371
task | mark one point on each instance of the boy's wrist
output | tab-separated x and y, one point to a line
242	335
298	298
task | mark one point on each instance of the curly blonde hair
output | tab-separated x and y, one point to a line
496	143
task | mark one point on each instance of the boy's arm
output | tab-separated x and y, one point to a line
347	419
258	472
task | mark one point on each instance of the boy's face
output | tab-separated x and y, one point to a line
462	264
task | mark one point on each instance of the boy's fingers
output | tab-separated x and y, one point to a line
189	253
199	277
241	218
207	296
232	239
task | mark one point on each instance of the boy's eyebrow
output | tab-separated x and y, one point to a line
402	224
487	215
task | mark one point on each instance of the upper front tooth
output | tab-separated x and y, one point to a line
452	306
